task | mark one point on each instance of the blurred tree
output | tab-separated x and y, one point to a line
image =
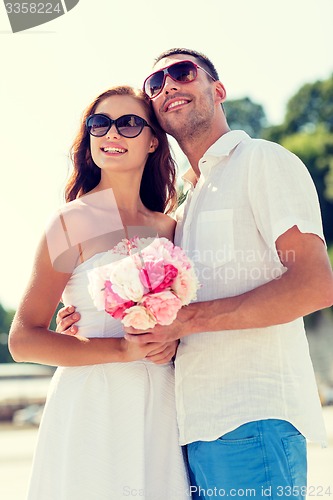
316	151
6	318
311	106
244	114
53	324
308	132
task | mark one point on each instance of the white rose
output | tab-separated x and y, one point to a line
186	285
125	280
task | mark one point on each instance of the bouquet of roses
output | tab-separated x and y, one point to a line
147	285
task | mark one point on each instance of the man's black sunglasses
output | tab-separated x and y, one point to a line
182	72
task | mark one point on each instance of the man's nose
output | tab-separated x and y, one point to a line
170	85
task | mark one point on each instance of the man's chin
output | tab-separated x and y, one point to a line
174	127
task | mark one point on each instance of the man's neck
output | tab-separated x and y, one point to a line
195	150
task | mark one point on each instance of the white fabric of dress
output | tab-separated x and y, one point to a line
108	431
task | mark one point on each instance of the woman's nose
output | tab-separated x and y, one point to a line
113	131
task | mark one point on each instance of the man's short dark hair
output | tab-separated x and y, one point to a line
204	61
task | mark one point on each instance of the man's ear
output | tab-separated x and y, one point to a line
220	92
153	145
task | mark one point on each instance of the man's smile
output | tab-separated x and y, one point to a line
173	104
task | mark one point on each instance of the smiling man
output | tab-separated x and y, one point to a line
246	393
188	112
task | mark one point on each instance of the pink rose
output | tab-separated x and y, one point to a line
152	274
114	304
170	273
138	317
157	276
163	306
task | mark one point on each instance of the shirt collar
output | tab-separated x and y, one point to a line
225	144
222	147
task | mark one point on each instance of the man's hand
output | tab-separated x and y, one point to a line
66	319
164	353
157	352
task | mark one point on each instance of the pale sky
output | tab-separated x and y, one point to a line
261	48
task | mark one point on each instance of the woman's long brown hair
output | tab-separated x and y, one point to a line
157	190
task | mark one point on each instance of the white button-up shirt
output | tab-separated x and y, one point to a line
250	191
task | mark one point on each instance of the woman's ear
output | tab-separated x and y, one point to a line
153	145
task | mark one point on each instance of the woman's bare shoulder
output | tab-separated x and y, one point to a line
67	212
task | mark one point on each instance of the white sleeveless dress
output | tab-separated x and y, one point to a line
108	431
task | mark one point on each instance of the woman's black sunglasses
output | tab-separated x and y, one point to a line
182	71
129	126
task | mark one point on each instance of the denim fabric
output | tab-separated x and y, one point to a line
261	459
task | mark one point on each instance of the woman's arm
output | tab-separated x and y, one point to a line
30	339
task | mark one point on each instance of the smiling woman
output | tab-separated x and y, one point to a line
157	185
122	182
123	145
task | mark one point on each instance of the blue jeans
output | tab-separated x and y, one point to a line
264	459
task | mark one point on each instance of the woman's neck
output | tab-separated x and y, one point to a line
127	195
